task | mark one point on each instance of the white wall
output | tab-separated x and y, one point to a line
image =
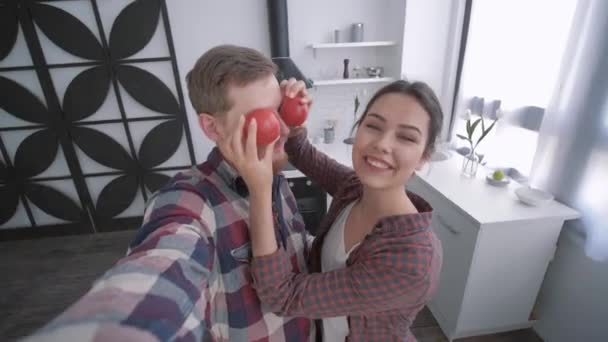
424	31
314	22
573	302
430	46
199	25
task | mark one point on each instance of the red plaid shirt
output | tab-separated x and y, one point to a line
387	279
187	277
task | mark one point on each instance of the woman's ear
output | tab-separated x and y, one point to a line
426	156
210	126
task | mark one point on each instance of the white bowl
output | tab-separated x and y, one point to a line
490	179
532	196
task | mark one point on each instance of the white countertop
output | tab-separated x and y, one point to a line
472	196
481	201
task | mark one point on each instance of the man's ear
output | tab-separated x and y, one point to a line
210	125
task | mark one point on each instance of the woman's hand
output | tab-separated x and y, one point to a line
292	88
252	162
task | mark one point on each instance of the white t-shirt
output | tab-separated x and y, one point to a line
333	256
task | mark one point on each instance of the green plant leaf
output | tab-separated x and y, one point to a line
463	137
474	125
469	128
483	135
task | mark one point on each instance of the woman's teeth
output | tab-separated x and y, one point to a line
376	163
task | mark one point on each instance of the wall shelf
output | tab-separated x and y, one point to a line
316	46
351	45
319	83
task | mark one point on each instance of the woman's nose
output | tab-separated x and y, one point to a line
383	143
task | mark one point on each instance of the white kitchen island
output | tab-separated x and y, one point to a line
495	249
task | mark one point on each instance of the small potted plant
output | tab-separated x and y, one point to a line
471	160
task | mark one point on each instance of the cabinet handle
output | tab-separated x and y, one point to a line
290	184
446	225
308	182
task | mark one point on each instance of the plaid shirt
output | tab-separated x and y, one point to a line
387	279
187	274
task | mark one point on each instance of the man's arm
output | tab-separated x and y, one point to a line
159	291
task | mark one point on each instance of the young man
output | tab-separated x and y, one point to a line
186	275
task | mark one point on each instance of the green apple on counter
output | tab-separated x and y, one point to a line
498	175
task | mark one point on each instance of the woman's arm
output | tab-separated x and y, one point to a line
263	240
397	275
318	166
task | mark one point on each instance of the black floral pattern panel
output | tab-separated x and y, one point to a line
92	117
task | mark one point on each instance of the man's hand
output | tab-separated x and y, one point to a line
257	173
255	168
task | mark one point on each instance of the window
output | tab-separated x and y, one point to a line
513	56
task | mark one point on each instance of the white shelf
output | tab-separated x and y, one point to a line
318	83
350	45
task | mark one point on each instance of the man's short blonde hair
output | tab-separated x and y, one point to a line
218	69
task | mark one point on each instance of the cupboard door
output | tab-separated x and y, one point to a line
458	238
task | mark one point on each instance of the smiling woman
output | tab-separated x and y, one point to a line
390	146
375	251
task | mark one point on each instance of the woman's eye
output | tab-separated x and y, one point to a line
406	138
374	127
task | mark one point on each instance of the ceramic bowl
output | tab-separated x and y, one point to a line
532	196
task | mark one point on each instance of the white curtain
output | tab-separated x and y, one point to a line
571	160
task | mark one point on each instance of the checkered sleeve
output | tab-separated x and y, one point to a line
395	276
159	290
316	165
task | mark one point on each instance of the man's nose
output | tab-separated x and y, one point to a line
282	125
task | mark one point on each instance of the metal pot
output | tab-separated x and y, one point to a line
375	71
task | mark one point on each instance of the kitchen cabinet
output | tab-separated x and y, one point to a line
495	250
